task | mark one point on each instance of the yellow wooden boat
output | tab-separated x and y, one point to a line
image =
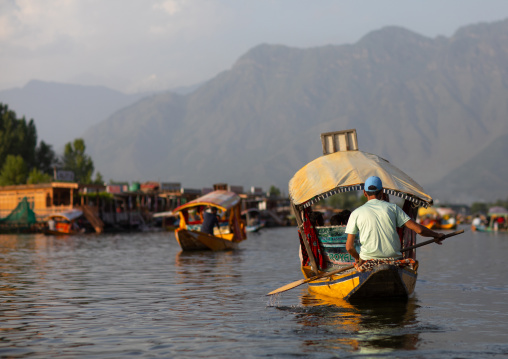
230	233
343	168
436	225
63	223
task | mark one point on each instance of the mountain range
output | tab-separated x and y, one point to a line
62	112
435	107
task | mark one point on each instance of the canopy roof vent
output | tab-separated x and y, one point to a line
339	141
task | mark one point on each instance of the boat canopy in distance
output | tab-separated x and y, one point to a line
345	171
223	200
67	215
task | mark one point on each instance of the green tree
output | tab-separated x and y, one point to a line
74	159
37	176
346	200
479	207
17	137
98	179
274	191
45	158
14	171
501	203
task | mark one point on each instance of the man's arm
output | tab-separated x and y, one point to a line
422	230
350	247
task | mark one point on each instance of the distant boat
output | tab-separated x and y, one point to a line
64	223
435	224
169	220
252	217
232	229
497	222
437	218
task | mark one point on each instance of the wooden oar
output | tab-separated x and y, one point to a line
329	274
432	240
303	281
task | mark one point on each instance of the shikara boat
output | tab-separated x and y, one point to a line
252	218
231	231
169	220
434	224
437	218
343	168
497	222
64	223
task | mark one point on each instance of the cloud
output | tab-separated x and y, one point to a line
33	24
169	6
167	43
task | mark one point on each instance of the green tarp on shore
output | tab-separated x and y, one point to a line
22	218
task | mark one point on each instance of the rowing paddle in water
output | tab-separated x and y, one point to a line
329	274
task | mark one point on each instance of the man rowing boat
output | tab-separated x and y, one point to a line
377	223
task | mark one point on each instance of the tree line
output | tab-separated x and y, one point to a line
23	161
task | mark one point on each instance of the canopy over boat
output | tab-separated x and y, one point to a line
164	214
67	215
223	200
344	171
498	210
430	211
445	211
251	210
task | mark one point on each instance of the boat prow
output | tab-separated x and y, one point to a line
383	281
190	240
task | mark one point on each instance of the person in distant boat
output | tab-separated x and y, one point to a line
340	219
51	224
376	221
477	223
335	220
210	220
501	223
316	219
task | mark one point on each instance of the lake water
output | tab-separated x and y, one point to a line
137	295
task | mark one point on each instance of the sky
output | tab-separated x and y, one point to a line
153	45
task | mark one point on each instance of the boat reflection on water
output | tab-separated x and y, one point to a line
204	280
207	269
373	327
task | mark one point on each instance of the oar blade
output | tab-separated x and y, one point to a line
287	287
302	281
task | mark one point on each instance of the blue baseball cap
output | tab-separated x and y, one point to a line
373	181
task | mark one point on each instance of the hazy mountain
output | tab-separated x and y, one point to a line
483	178
62	112
427	105
431	106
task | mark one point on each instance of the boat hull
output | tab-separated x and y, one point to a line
199	241
49	232
436	225
383	281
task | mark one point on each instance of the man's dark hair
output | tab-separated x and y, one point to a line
372	191
341	218
316	218
335	220
344	215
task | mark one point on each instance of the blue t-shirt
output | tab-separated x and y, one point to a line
210	220
377	223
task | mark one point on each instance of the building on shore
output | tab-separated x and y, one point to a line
121	206
44	198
